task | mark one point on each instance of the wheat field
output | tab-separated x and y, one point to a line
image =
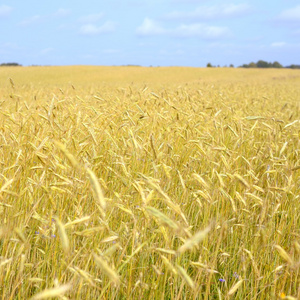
149	183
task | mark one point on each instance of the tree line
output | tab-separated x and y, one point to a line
261	64
10	64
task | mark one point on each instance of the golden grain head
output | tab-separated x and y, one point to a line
63	235
51	293
235	287
194	240
103	265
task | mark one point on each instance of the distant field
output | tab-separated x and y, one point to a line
149	183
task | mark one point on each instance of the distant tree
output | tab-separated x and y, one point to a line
10	64
276	64
293	67
262	64
209	65
231	66
251	65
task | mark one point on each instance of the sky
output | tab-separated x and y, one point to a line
149	32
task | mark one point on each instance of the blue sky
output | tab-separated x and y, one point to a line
149	32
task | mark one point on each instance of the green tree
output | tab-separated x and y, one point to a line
262	64
10	64
294	66
252	65
276	64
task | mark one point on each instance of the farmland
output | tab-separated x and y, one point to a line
149	183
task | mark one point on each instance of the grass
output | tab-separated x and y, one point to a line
149	183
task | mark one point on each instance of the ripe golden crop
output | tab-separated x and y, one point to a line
149	183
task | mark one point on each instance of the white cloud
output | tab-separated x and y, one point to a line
291	15
31	20
278	44
62	12
92	18
5	10
211	12
233	10
150	27
202	31
90	29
